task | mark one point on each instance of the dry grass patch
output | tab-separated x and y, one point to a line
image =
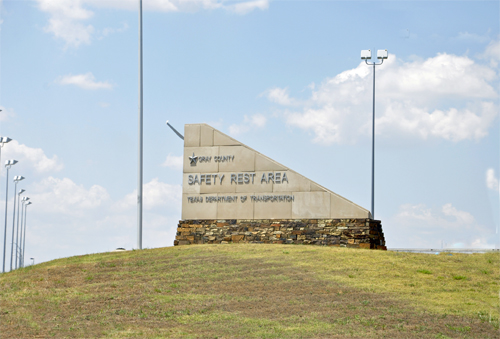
253	291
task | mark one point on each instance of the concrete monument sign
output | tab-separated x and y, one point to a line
232	193
225	179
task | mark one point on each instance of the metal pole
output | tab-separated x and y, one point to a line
5	228
175	131
17	230
13	223
22	237
139	181
5	232
24	240
373	147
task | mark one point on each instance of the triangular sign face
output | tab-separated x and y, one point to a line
225	179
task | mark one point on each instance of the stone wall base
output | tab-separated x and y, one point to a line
357	233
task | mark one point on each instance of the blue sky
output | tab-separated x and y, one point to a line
283	77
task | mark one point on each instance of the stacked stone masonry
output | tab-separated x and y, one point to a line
356	233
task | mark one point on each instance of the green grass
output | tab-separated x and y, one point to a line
254	291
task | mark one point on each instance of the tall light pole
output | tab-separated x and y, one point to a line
367	55
24	239
8	165
3	141
21	259
17	178
17	228
139	179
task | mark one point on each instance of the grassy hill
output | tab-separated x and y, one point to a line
254	291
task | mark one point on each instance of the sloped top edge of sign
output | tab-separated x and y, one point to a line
202	136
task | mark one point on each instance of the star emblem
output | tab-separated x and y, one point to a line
193	160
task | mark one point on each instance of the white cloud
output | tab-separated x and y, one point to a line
65	22
173	161
418	226
442	76
446	96
254	121
329	124
108	31
158	5
65	197
492	180
460	216
155	194
240	7
69	219
492	53
453	124
279	96
67	18
493	50
248	6
448	217
258	120
85	81
34	158
471	37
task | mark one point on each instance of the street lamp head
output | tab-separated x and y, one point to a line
366	54
4	140
10	162
18	178
24	199
382	54
21	191
29	203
